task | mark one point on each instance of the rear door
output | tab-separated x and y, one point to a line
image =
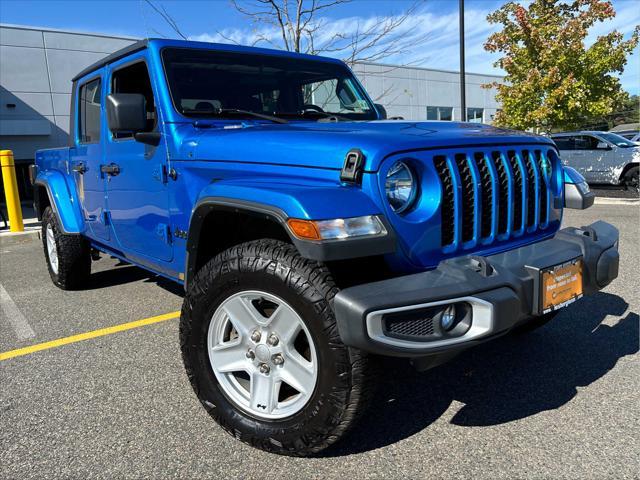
87	154
138	197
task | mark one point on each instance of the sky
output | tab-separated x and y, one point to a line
434	27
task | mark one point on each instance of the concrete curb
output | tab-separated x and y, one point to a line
30	234
616	201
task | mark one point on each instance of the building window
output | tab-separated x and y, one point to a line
475	115
89	118
440	113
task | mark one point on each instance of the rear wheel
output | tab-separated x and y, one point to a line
262	351
68	256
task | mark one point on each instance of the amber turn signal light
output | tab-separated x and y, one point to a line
304	229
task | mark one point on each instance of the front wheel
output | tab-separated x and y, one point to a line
262	351
631	180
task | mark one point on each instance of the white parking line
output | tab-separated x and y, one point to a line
14	316
616	201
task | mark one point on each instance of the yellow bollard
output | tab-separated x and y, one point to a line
11	191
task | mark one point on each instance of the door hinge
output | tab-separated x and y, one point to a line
167	173
180	233
106	218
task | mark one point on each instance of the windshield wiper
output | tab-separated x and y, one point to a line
233	111
248	113
322	116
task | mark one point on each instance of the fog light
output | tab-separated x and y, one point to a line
448	318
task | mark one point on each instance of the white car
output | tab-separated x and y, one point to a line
601	157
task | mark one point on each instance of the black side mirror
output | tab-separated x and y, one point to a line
381	110
126	112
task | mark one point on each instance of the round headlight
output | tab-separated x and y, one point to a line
401	187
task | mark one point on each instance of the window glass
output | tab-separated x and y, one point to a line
617	140
89	112
586	142
440	113
475	115
135	79
204	83
563	143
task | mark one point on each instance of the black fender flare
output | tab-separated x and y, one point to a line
321	251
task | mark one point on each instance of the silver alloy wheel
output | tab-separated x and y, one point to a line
262	355
52	249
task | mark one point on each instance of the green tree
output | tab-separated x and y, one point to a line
553	81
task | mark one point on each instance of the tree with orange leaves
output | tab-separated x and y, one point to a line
553	80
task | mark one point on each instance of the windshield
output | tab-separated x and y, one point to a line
617	140
206	83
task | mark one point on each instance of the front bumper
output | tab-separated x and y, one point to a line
500	290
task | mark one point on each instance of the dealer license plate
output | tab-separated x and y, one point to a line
561	285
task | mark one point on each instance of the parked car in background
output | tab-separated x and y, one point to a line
601	157
633	135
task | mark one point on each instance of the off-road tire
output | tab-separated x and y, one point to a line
535	323
344	379
74	255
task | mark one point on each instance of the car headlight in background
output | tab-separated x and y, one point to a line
401	187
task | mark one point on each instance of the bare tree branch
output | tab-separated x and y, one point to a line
298	25
160	10
301	29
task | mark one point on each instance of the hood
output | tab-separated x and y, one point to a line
324	145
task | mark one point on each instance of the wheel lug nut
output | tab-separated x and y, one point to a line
256	336
251	355
277	359
264	368
273	340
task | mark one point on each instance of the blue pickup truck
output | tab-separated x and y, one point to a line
312	236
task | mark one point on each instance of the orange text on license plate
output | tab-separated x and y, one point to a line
561	285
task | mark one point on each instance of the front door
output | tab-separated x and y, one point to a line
86	156
137	192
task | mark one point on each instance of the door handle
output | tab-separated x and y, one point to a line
80	168
111	169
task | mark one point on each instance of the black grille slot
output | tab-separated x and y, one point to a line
468	196
543	168
487	194
417	327
503	193
531	188
447	210
517	190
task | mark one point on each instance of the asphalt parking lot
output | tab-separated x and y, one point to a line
561	402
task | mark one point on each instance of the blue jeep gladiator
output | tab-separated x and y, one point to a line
312	236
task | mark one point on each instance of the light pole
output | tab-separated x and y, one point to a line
463	95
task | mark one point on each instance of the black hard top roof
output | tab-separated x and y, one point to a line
118	54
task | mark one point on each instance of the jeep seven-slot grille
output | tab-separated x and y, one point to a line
492	195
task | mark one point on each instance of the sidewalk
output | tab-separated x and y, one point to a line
31	227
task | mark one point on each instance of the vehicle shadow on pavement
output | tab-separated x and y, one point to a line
124	273
511	378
